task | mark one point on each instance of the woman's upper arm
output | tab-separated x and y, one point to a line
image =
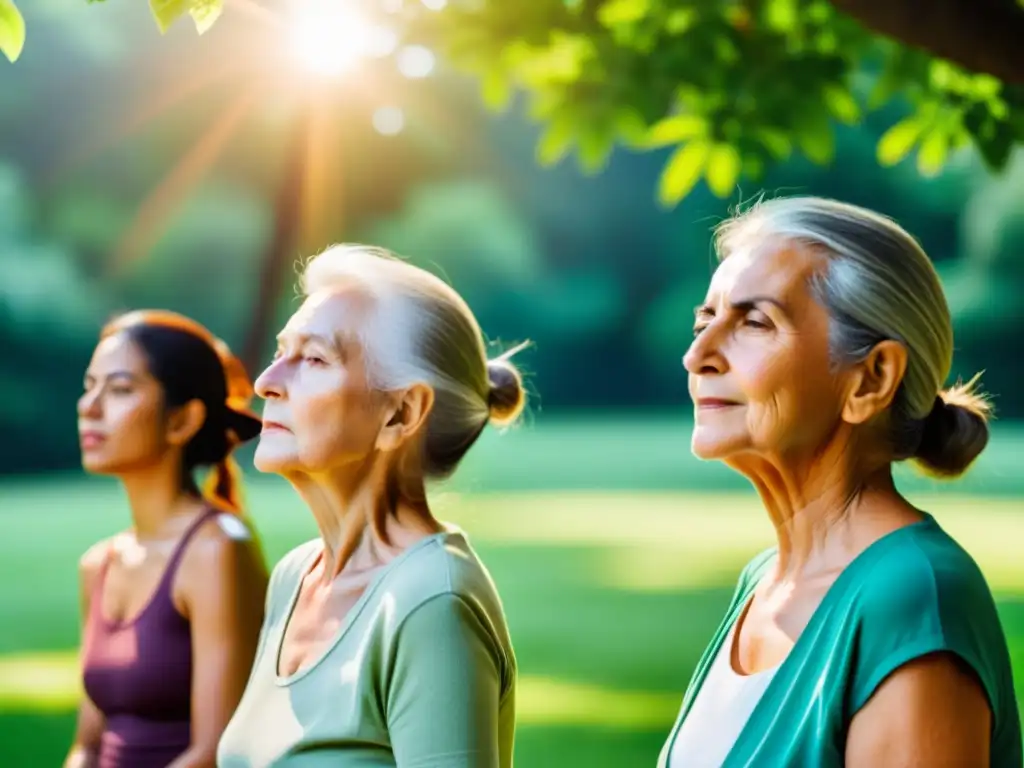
89	567
224	591
445	689
89	729
932	712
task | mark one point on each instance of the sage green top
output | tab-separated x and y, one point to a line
420	675
913	592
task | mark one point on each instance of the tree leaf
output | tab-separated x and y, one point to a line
933	153
776	142
781	15
205	13
723	169
556	140
496	90
985	86
166	12
841	104
680	20
674	129
683	171
544	104
631	128
12	30
897	142
563	61
886	87
615	13
595	146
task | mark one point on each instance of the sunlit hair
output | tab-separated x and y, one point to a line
879	284
190	363
419	330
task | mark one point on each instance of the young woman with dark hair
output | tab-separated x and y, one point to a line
172	606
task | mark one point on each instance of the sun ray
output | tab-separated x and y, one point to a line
321	194
160	204
137	120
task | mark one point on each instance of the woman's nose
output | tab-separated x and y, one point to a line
269	385
89	404
704	355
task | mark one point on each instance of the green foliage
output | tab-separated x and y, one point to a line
735	86
12	30
684	170
43	290
203	12
228	220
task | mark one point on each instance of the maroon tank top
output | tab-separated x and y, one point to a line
138	672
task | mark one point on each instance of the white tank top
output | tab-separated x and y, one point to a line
721	709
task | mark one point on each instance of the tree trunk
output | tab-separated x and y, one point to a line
280	252
979	35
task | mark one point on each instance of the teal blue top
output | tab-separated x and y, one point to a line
913	592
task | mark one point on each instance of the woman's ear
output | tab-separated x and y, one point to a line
875	382
184	422
405	416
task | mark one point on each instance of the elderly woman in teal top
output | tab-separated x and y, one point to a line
384	642
867	636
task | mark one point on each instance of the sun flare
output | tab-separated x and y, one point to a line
331	37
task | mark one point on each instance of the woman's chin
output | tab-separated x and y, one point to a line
100	465
711	447
96	468
270	462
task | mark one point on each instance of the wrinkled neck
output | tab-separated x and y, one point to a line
813	502
362	517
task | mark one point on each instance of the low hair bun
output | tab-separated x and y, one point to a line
243	425
955	432
506	397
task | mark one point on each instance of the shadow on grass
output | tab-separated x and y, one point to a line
606	630
41	740
548	747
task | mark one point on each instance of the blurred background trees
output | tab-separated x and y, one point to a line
141	169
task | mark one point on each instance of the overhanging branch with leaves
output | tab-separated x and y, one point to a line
733	85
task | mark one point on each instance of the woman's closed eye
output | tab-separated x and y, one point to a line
115	388
756	319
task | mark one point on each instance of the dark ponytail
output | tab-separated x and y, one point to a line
223	487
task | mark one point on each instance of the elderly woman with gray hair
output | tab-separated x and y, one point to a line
867	637
385	642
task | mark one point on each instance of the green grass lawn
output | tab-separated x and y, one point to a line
611	596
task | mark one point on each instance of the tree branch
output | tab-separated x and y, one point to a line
979	35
